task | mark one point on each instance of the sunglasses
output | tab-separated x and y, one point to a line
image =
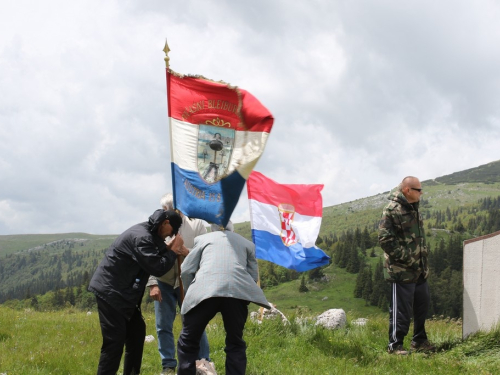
419	190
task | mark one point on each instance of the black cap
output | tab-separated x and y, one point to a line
159	216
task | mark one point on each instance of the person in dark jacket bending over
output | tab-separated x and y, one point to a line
119	283
401	236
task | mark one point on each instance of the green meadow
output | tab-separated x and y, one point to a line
35	269
68	342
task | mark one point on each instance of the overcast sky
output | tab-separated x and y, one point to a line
363	93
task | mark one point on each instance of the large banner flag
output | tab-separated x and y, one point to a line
218	133
285	222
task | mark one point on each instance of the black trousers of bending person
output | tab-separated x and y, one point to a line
234	315
407	301
118	332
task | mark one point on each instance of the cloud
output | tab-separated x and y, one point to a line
363	95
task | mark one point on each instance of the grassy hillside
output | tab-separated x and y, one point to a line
487	173
34	264
25	243
68	342
437	196
459	189
334	292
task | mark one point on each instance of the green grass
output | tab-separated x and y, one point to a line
68	342
336	293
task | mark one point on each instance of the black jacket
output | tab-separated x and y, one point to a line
121	277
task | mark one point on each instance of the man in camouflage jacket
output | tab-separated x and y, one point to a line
401	236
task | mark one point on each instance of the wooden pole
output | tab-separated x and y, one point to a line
181	286
166	49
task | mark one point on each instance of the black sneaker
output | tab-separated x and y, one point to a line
424	347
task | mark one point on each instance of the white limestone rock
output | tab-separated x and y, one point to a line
332	319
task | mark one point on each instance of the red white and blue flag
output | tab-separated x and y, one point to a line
218	133
285	222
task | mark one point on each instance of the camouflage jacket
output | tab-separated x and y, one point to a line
401	236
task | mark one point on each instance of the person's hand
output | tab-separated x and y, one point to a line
155	293
185	251
177	244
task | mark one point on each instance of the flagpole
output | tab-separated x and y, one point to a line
166	49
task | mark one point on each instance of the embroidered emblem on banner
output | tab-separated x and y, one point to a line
215	148
287	212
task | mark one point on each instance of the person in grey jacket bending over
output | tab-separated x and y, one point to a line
220	275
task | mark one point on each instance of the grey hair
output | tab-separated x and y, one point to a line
216	227
167	201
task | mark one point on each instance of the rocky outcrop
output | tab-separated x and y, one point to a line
332	319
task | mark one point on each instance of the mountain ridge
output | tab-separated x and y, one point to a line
37	263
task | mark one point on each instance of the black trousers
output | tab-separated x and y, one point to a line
407	301
118	332
234	315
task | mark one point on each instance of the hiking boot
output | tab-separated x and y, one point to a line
168	371
398	350
424	347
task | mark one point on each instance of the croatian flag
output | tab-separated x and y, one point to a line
217	133
285	222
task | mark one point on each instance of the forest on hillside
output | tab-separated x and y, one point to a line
59	277
352	250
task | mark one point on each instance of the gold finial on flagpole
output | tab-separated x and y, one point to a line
166	50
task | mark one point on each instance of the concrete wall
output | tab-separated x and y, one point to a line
481	275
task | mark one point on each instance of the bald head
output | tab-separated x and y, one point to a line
411	189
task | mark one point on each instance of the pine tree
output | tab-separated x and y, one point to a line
363	247
78	292
471	225
378	284
438	259
338	253
69	296
86	278
368	286
303	288
357	237
455	253
360	282
459	227
344	258
58	298
383	302
315	273
353	262
34	302
448	213
366	238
